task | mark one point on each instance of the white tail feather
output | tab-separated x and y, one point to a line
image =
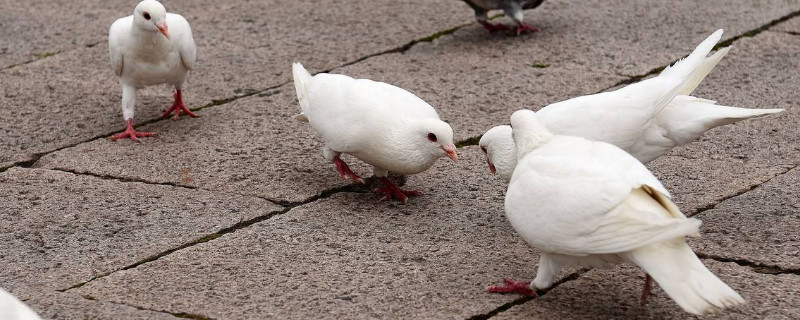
684	277
702	71
301	79
685	68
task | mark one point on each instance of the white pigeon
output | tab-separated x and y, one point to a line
634	118
385	126
12	308
148	48
589	203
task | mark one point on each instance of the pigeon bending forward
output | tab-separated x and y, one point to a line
383	125
591	204
12	308
148	48
512	8
646	119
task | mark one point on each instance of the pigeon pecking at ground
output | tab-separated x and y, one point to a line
148	48
385	126
634	118
12	308
591	204
512	8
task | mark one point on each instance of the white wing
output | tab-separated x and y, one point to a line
344	110
577	197
117	34
181	34
12	308
619	117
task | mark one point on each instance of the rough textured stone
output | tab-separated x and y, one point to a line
615	293
759	226
242	47
348	256
250	146
67	306
60	229
731	159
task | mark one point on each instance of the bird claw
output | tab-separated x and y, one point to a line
526	27
392	191
512	286
345	171
177	107
131	133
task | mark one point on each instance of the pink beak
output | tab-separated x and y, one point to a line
492	169
163	28
451	152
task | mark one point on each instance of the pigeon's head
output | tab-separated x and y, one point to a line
501	154
528	132
434	137
151	15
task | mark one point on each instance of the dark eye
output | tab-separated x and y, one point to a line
483	149
431	137
146	16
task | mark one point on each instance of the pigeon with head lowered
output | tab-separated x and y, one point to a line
646	119
148	48
589	203
385	126
512	8
12	308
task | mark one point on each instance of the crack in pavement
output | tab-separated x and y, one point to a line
524	299
757	267
239	225
48	54
746	190
183	315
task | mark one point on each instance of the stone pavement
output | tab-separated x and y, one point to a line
235	215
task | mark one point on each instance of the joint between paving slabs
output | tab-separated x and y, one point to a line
183	315
754	266
239	225
524	299
726	43
45	55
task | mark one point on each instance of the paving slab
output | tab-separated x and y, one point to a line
242	47
731	159
347	256
614	294
66	306
62	229
759	226
37	29
250	146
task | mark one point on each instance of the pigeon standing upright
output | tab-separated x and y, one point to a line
512	8
385	126
148	48
646	119
13	309
591	204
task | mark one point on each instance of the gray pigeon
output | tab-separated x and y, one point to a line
512	8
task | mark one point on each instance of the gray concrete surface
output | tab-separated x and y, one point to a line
235	215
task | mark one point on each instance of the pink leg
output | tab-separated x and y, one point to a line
494	27
345	171
512	286
648	284
526	27
131	133
177	107
392	191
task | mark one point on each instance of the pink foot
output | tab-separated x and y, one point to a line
494	27
131	133
526	27
512	286
392	191
177	107
345	171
